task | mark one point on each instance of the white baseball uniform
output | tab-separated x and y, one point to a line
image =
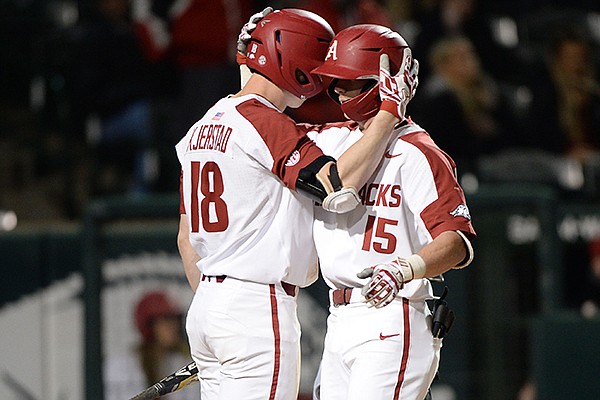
413	196
254	236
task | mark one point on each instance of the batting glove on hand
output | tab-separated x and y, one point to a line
246	32
388	279
396	91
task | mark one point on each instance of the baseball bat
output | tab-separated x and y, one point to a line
176	381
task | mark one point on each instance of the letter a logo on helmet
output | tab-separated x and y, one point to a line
332	52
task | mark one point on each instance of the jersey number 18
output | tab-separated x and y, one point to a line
212	209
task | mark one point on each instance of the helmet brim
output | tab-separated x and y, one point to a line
340	72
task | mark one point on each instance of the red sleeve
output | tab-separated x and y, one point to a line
449	212
181	203
288	144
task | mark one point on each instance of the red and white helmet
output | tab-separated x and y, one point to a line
151	306
286	46
354	54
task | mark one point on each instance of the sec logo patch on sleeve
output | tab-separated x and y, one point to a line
294	159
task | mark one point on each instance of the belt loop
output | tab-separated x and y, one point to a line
347	295
217	278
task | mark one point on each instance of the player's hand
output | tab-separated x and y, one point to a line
396	91
387	280
385	283
245	34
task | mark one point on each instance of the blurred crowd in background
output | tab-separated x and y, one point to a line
95	93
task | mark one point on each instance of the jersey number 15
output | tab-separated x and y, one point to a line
384	242
212	209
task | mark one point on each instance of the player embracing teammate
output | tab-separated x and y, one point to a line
245	233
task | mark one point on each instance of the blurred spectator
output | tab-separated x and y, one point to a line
333	11
343	13
199	38
564	116
162	350
113	90
465	110
442	18
372	12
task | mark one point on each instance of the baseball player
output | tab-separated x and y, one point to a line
245	234
413	223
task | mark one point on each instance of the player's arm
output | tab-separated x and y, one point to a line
189	257
451	249
358	163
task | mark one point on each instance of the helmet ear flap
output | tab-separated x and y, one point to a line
364	106
361	107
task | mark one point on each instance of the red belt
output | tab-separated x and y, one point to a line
341	297
218	278
288	287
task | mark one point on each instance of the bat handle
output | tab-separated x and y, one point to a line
153	392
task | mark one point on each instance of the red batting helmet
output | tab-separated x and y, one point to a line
150	307
286	46
354	54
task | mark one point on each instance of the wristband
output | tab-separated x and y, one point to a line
417	265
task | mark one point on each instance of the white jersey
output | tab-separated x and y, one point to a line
238	165
405	204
